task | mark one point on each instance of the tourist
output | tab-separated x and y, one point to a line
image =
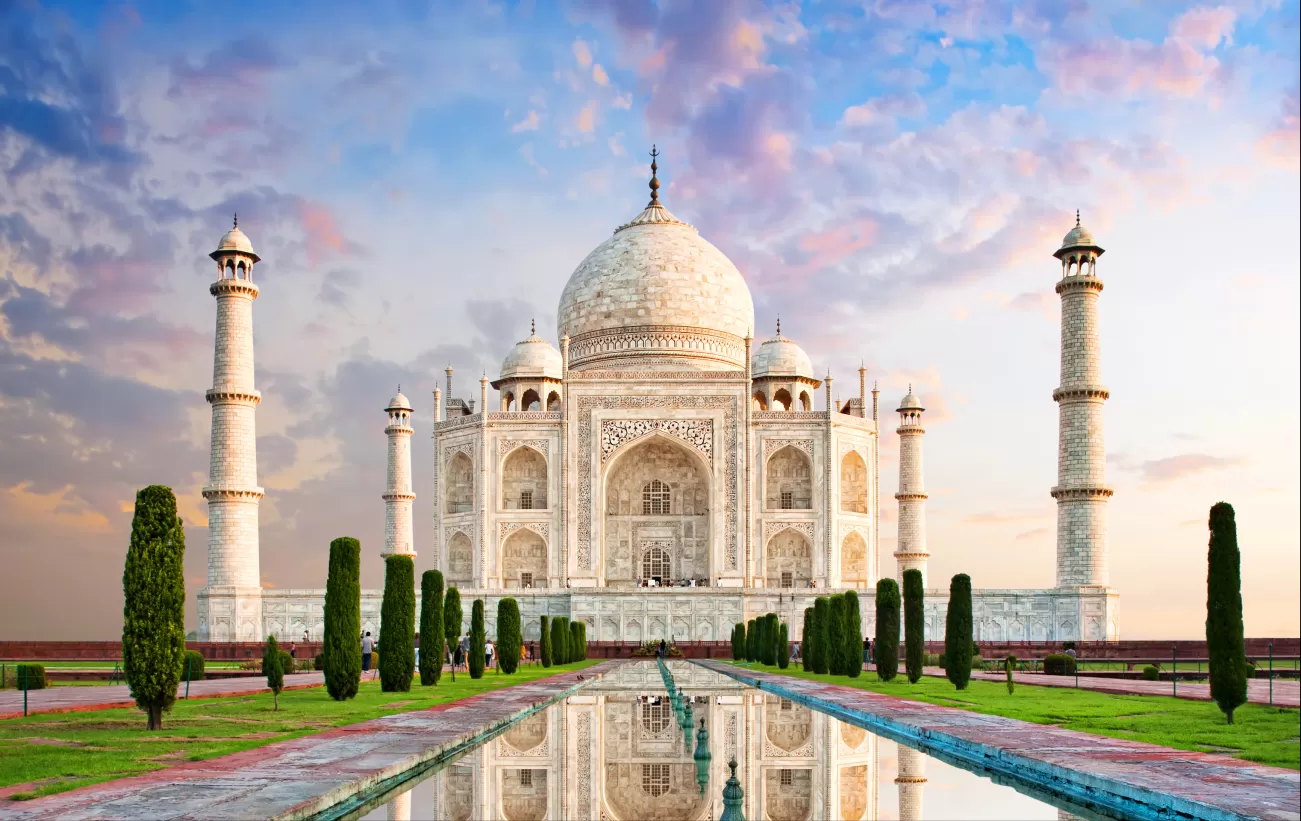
305	637
458	659
488	652
795	651
293	650
663	649
524	653
867	652
367	645
871	654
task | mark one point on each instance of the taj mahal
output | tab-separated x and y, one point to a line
659	473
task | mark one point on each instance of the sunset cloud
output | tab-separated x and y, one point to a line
1174	468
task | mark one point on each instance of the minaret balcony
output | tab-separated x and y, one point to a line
1081	392
220	395
1081	493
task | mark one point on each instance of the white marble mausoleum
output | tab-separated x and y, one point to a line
659	473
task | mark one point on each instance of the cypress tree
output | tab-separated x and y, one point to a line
783	647
752	640
509	636
762	642
575	641
478	639
453	617
1225	646
582	641
153	616
854	635
821	620
274	669
835	649
544	643
341	649
558	635
397	625
887	629
432	646
914	624
738	641
806	640
957	632
774	639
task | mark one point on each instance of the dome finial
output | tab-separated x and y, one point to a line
533	326
779	324
236	225
399	387
910	387
654	181
1077	218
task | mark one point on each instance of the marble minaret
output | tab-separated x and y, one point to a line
230	608
398	497
912	783
1081	490
910	550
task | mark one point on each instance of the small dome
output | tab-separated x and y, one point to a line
534	357
398	402
910	402
780	356
234	240
1077	237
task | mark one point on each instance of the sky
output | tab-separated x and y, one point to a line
421	178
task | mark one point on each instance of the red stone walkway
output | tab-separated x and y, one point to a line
1127	776
106	696
299	778
1287	692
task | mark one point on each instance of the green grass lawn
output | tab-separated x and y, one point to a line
1268	735
54	752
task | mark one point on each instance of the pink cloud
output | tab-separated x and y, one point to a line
1281	146
1173	468
834	244
1205	27
1115	66
321	230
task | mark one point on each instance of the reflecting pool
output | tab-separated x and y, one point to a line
626	749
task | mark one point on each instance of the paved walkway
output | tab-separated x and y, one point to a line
299	778
1125	776
106	696
1287	692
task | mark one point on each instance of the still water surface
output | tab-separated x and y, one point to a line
618	751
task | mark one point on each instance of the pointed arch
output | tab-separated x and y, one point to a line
788	559
524	559
782	400
806	401
853	560
507	402
460	560
530	401
853	483
553	402
788	480
524	480
460	483
760	401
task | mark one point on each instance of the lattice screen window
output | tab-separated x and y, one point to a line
655	779
786	704
526	500
787	778
655	499
655	717
655	562
525	580
788	578
526	778
788	500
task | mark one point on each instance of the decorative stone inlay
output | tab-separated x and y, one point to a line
467	448
660	376
526	416
772	528
730	748
588	404
791	416
543	529
698	433
449	532
771	750
584	808
770	446
505	446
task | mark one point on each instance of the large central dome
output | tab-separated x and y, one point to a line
656	296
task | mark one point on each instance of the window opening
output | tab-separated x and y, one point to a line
787	778
655	499
788	578
526	778
526	500
788	500
655	779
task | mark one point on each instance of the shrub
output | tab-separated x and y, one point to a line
914	624
544	644
575	645
1009	665
559	633
1059	664
1068	645
318	663
818	644
478	640
153	618
341	649
887	629
510	638
192	666
453	616
432	640
783	647
273	668
957	632
752	640
305	665
287	663
806	635
738	641
582	641
1151	673
835	648
28	676
774	639
397	625
853	635
1225	648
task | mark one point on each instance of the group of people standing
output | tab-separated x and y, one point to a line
457	655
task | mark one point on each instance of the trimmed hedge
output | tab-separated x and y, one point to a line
835	633
510	638
192	666
576	641
341	650
738	641
397	625
433	643
28	676
1151	673
153	617
559	639
1059	664
752	640
818	642
453	616
806	633
914	624
478	640
318	663
887	629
